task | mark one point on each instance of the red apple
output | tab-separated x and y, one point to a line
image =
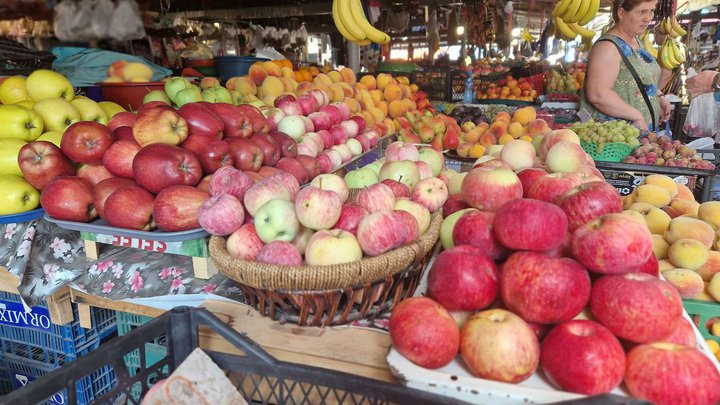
684	334
424	332
376	197
327	138
589	201
256	117
321	120
288	180
612	244
202	120
463	278
160	125
381	231
104	189
544	289
628	304
69	198
119	157
551	186
583	357
244	244
411	223
398	189
293	167
247	155
176	208
236	124
308	103
41	162
526	224
310	165
86	142
498	345
488	189
279	253
528	176
122	119
231	181
360	121
334	113
211	153
270	148
350	217
453	204
130	207
94	173
124	133
288	146
475	228
273	117
158	166
153	104
666	373
221	215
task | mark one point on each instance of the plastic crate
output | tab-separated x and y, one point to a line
154	351
611	152
258	376
16	59
435	84
701	312
31	335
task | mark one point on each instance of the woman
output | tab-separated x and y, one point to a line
611	90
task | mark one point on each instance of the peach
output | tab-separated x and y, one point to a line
654	195
660	247
271	87
713	287
657	220
526	138
257	73
477	150
347	75
383	80
287	84
397	109
690	228
688	254
687	282
377	114
463	149
711	266
516	130
685	193
369	82
473	135
504	139
487	139
392	92
665	265
498	129
663	181
336	93
710	213
322	78
208	82
377	96
681	206
245	85
403	80
705	294
335	76
538	126
518	154
272	69
635	214
524	115
503	115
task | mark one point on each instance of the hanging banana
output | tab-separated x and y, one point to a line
564	29
591	12
576	11
341	25
345	13
582	31
371	33
648	45
677	28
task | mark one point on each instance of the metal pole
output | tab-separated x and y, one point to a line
353	56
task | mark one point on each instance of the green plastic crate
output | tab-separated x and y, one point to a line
154	351
612	152
704	310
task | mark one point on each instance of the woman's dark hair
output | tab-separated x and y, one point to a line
627	5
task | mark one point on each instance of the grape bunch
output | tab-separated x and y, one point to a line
602	133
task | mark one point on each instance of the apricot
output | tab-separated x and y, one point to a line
690	228
687	282
392	92
524	115
377	113
654	195
487	139
244	85
403	80
322	78
347	89
711	266
688	254
335	76
369	82
348	76
409	104
710	213
516	130
477	150
503	115
287	84
271	87
336	93
685	193
383	80
660	247
498	129
208	82
504	139
396	108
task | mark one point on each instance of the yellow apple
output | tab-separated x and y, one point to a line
19	122
111	108
44	83
17	196
90	110
27	104
13	90
52	137
56	113
9	149
136	72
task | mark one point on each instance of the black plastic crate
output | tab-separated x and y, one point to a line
15	59
435	84
259	377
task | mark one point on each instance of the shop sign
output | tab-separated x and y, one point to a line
22	380
14	314
624	182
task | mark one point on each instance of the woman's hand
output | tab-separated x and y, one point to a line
701	83
640	123
665	109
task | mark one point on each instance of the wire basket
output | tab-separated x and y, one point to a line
15	59
611	152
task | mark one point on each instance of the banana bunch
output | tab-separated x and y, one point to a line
570	31
648	45
670	26
526	35
670	55
578	12
351	22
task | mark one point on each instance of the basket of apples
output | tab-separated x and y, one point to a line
327	254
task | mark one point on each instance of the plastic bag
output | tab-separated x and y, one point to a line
82	22
64	14
102	17
126	22
703	117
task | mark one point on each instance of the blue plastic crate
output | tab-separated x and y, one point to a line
32	336
16	372
154	351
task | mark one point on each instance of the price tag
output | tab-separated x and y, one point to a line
624	182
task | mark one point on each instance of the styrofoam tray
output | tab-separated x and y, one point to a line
22	217
99	226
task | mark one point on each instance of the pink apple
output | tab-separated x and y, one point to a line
475	228
431	193
279	253
528	176
288	181
410	223
544	289
364	141
404	171
290	107
360	121
565	157
583	357
399	189
644	299
260	193
345	153
489	188
317	209
526	224
308	103
327	138
420	213
453	204
316	139
335	114
589	201
228	180
463	278
321	96
684	334
333	183
343	108
351	127
325	164
380	232
293	126
244	244
612	244
335	157
274	116
424	332
307	147
294	168
376	197
221	215
401	151
424	170
309	126
551	186
321	120
350	217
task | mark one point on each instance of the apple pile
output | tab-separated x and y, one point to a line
274	221
37	108
662	151
512	291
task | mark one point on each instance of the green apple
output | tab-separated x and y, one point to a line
189	95
52	137
157	95
276	220
404	171
111	108
537	142
361	178
433	158
13	90
421	214
90	110
257	103
56	113
217	94
174	85
375	167
9	149
19	122
447	226
44	83
455	185
29	104
17	196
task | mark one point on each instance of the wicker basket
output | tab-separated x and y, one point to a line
612	152
330	295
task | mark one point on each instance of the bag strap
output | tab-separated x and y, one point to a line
639	82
